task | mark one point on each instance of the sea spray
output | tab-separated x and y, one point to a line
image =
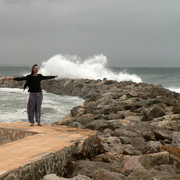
54	107
66	66
175	89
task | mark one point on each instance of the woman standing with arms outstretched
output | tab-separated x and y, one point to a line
33	81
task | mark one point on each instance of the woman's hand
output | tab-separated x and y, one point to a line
56	75
10	78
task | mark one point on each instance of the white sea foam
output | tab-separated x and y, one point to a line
66	66
174	89
13	116
54	107
9	90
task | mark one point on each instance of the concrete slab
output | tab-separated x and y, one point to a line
48	139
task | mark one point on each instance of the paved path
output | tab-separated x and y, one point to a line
48	139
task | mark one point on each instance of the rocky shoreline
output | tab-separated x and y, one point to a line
138	128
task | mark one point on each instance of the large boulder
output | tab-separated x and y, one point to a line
154	112
87	168
111	144
163	134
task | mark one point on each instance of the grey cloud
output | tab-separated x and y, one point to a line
128	32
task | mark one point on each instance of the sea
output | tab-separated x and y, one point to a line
13	101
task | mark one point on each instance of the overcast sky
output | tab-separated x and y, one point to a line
129	32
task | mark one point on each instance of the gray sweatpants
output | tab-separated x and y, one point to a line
34	106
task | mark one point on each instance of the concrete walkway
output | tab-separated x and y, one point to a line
48	139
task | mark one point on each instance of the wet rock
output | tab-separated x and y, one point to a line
109	82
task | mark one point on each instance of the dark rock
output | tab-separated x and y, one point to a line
91	97
116	116
124	140
130	150
84	120
154	112
104	124
75	124
123	132
109	157
108	82
163	134
132	119
139	144
87	168
75	111
107	175
111	144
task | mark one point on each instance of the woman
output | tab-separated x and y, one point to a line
33	81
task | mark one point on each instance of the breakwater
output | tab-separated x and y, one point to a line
138	127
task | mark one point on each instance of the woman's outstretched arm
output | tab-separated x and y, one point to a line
10	78
48	77
18	78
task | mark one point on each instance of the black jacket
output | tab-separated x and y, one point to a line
33	82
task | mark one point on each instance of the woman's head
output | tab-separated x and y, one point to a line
34	69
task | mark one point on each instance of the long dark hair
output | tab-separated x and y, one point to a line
29	77
32	71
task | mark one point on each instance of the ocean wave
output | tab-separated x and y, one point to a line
175	89
12	116
12	90
67	66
